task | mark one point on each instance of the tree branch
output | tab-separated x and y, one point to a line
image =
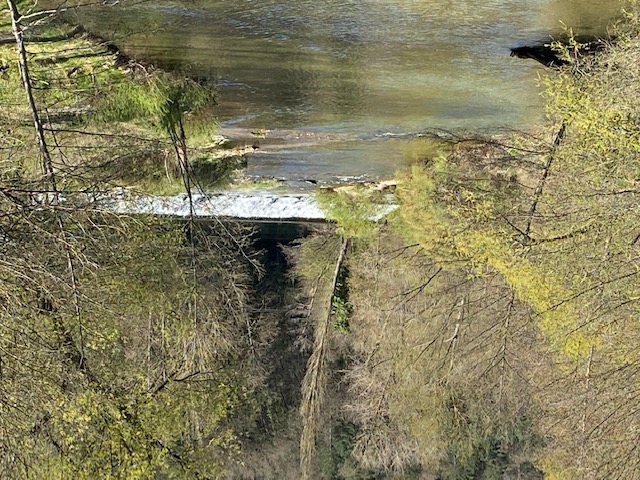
547	168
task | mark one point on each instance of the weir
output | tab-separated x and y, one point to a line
255	206
278	218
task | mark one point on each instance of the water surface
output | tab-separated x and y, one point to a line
354	72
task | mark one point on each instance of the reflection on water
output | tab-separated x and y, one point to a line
360	67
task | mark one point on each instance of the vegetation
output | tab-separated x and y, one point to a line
110	371
353	208
486	329
130	347
492	331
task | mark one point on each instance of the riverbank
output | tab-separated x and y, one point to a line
493	320
106	107
105	114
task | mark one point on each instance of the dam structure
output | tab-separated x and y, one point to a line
254	206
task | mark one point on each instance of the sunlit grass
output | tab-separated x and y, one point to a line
79	88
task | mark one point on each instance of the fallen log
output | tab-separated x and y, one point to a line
549	56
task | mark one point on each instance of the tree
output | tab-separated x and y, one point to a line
122	345
439	379
558	229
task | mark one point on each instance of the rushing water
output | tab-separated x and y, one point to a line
331	79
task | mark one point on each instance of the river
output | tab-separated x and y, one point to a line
340	88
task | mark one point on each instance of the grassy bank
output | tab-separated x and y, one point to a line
105	114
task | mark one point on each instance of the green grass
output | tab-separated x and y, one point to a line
78	87
353	209
256	183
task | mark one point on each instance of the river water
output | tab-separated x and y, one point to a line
340	88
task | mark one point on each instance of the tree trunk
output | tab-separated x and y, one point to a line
47	166
313	383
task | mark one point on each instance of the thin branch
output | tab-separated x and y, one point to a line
547	168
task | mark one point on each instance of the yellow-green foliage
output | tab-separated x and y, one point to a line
452	195
78	86
560	230
598	99
418	194
354	209
457	219
161	373
535	287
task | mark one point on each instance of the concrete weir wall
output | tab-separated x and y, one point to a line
277	217
255	206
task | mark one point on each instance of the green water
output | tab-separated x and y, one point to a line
354	71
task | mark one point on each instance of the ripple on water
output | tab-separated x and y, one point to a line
358	67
